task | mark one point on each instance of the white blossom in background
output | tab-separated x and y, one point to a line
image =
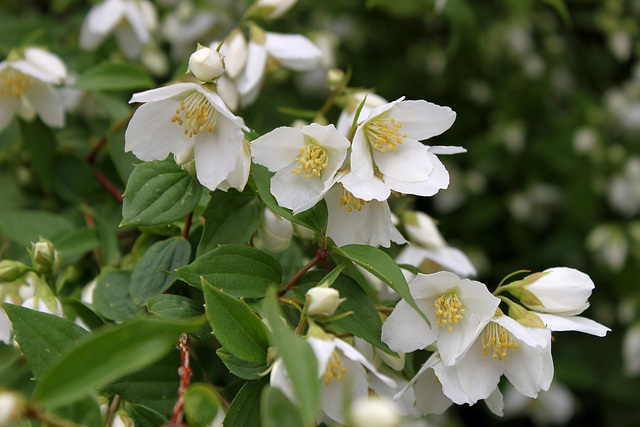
428	250
192	122
631	351
275	231
250	61
305	162
131	21
347	115
272	9
374	411
341	369
185	25
26	87
624	188
386	146
609	244
456	308
555	406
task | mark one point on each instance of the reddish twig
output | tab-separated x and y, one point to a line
91	157
320	255
187	225
108	185
184	371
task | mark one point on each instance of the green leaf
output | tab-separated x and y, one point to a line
40	144
278	411
365	321
145	417
106	356
82	311
24	227
114	76
155	386
74	244
381	265
230	217
242	368
315	218
147	281
111	296
235	325
238	270
298	358
84	412
14	372
178	307
42	337
245	407
159	193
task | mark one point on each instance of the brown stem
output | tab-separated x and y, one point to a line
112	410
184	371
187	225
108	185
320	255
91	157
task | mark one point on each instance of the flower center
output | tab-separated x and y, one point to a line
499	339
14	83
312	160
334	370
385	135
196	113
448	310
350	201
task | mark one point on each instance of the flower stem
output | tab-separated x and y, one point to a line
187	225
184	371
112	410
322	254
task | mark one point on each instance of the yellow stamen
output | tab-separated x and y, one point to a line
196	113
499	338
384	134
350	201
14	83
449	311
312	160
334	370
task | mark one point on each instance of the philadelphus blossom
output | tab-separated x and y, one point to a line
522	354
305	162
26	81
322	301
130	20
428	251
248	62
275	231
191	121
455	307
341	369
386	146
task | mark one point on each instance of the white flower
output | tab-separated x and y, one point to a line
185	24
26	87
552	407
273	8
374	411
504	346
246	63
322	301
131	20
206	64
12	407
631	351
456	309
6	331
305	162
430	253
386	145
347	115
188	116
354	220
341	369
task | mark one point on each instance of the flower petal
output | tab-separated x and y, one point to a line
404	330
253	73
46	61
431	399
295	51
293	191
410	161
217	103
365	190
421	119
46	103
164	92
137	22
353	354
9	105
361	160
573	323
234	50
104	17
128	41
150	137
278	148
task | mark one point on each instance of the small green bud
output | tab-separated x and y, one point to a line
11	271
524	316
45	257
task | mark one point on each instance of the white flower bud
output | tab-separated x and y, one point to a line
321	301
275	231
374	412
12	408
422	230
561	290
45	257
206	64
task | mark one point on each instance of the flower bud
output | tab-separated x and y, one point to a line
12	408
322	302
11	270
45	257
275	231
374	412
422	229
561	291
334	77
206	64
122	419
